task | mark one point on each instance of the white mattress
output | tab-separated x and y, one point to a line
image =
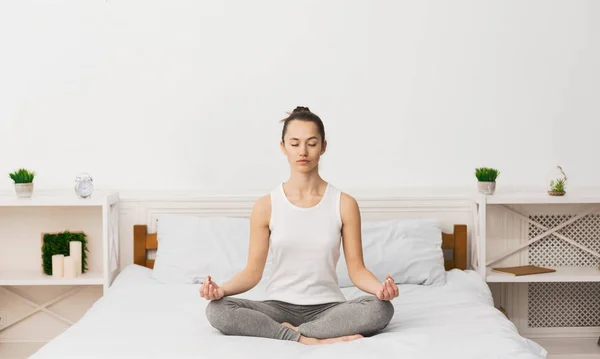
141	318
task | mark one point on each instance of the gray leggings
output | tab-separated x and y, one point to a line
365	315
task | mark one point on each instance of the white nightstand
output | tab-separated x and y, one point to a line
34	306
563	232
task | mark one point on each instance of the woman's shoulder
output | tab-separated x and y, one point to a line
262	203
348	204
349	210
345	197
347	200
261	210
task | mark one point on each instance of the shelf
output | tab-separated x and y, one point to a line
56	199
562	274
539	196
21	278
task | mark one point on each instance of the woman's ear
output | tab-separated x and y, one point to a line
282	147
323	147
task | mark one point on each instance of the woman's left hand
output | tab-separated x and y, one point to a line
388	290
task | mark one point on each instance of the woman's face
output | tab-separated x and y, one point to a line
303	145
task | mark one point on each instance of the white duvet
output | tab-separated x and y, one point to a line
141	318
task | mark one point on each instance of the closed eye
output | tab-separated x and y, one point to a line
310	144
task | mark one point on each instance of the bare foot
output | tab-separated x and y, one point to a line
314	341
289	326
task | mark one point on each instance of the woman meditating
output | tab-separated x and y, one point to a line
303	222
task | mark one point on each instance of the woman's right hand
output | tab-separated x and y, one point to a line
211	290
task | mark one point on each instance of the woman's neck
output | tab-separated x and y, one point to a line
305	183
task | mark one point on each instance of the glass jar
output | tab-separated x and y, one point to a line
556	182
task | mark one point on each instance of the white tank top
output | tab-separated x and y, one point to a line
304	249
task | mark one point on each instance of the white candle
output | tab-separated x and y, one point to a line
78	267
69	267
75	253
57	265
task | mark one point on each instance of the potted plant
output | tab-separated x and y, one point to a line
58	243
23	182
486	179
558	182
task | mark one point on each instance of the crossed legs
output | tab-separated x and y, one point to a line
308	324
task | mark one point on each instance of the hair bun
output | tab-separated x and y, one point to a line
301	109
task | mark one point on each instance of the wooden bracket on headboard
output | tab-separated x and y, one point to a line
142	241
457	242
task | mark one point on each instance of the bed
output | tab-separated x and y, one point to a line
141	317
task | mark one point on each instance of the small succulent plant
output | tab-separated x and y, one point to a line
22	176
485	174
558	185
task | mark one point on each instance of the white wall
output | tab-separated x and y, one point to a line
412	93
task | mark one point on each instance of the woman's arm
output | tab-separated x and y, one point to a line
353	253
251	275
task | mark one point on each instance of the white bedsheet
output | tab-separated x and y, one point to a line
141	318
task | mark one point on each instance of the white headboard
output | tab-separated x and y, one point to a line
449	210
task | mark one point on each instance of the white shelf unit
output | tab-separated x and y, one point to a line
102	207
533	196
58	199
588	197
39	306
35	278
512	227
562	274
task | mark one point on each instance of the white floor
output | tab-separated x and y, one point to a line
18	350
571	348
558	348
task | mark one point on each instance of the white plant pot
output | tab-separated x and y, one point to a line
487	187
24	190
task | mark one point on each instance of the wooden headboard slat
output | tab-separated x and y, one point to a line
460	246
152	241
140	233
448	240
457	241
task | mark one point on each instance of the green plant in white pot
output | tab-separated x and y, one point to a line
23	182
486	178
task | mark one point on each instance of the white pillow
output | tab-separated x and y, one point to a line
192	247
410	250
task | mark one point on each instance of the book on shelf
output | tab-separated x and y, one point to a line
523	270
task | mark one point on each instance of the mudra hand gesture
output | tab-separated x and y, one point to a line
388	290
211	290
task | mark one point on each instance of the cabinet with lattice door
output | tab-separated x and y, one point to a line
517	228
